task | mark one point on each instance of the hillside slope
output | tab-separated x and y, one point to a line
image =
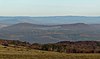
51	33
22	53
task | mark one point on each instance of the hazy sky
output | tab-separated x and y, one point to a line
49	7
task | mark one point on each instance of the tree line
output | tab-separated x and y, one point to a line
63	46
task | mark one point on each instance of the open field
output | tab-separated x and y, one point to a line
23	53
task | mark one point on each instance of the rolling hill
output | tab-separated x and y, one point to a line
36	33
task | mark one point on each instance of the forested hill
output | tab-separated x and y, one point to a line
35	33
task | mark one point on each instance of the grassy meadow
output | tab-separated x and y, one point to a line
24	53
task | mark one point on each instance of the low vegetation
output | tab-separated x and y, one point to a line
24	53
11	49
64	46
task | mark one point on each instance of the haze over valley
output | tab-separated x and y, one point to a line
50	29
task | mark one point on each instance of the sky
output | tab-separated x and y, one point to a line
49	7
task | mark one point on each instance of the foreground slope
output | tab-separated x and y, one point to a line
22	53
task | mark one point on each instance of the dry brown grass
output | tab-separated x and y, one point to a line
22	53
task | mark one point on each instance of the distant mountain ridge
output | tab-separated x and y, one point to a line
50	20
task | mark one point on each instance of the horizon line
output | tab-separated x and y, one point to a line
49	16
